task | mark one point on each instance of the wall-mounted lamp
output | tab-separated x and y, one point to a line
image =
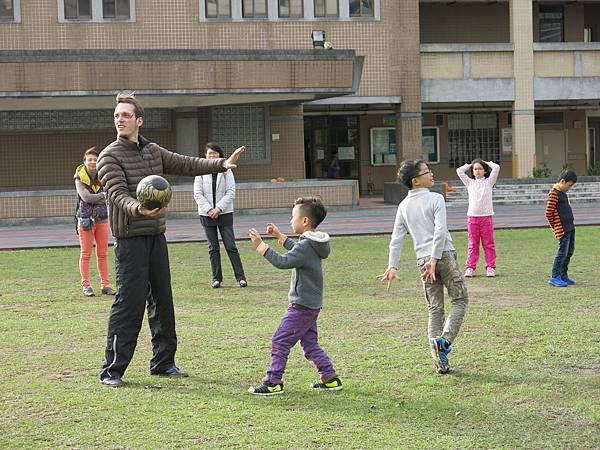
318	38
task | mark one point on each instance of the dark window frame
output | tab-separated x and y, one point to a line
327	14
362	8
79	15
290	15
546	13
219	7
6	18
117	14
253	14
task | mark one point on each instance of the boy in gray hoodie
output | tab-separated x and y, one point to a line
299	323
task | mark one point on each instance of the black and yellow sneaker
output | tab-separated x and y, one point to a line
331	385
267	389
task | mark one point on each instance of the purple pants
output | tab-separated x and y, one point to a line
298	324
481	229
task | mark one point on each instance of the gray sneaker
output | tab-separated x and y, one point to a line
107	290
88	291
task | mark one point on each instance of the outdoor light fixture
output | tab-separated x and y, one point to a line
318	38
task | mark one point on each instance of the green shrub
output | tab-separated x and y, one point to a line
542	171
594	171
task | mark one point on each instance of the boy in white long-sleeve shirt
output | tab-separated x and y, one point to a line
422	214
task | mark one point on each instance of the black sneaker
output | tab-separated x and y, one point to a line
331	385
172	371
243	283
216	284
107	290
267	389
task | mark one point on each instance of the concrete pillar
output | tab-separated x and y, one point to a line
523	115
408	114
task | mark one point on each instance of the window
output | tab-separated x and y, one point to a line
549	118
77	121
233	126
254	9
326	8
551	23
361	8
78	9
291	8
430	143
472	136
95	10
383	146
115	9
7	11
216	9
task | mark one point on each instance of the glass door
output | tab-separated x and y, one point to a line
332	147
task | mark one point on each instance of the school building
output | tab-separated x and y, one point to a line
517	82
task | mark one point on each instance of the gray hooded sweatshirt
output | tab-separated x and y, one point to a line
304	257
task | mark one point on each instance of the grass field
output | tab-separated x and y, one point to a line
526	364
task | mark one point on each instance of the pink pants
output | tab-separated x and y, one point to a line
481	228
99	233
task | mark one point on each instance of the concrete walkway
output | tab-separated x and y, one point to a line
371	217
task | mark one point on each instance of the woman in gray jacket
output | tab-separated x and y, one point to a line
214	195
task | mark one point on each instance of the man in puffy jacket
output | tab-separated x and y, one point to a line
141	256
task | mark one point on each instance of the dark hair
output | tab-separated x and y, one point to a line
215	148
568	175
313	208
409	169
486	168
91	151
129	97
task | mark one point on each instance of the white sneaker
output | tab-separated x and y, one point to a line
490	272
469	272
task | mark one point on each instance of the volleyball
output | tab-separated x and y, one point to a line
154	192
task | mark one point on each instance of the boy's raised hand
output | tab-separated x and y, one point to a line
273	230
389	275
254	237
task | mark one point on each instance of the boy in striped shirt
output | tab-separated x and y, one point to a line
560	217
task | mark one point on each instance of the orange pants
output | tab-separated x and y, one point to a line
99	233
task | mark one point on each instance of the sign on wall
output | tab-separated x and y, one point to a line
507	141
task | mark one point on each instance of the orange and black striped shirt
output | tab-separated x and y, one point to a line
559	212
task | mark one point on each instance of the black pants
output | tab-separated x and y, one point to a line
143	278
215	253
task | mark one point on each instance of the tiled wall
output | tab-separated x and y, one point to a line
279	195
163	75
441	65
175	24
51	159
491	64
553	64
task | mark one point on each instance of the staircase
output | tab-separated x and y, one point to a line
528	191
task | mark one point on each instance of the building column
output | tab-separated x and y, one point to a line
408	114
523	114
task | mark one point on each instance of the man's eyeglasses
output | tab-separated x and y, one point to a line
429	172
124	115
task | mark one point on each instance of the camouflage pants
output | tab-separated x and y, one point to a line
447	273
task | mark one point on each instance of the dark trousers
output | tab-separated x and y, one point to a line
214	251
566	248
143	278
